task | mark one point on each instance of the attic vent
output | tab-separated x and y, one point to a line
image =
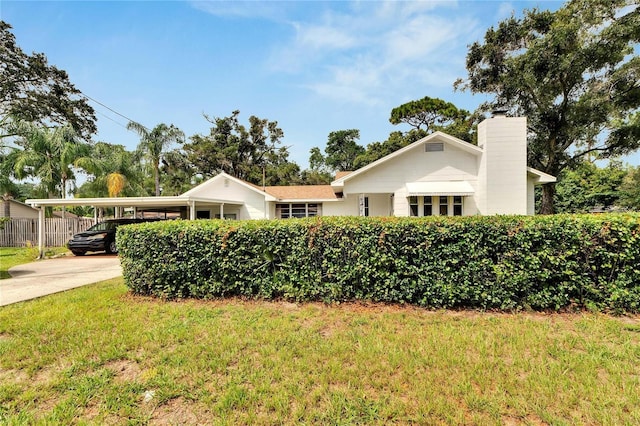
226	183
434	147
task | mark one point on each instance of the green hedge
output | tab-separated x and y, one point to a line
497	262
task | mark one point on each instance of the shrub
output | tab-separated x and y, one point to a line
492	262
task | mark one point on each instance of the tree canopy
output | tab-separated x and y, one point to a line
112	164
427	113
49	155
630	189
153	144
253	154
573	73
586	186
34	91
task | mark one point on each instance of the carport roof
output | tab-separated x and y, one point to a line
128	201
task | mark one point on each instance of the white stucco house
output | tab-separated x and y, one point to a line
437	175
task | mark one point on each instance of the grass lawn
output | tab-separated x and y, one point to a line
12	256
98	355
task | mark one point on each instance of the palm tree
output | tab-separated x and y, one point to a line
49	154
154	142
115	171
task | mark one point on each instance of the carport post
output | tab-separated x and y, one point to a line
192	210
41	232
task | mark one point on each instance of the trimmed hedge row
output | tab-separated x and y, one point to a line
496	262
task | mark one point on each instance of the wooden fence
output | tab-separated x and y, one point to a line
57	231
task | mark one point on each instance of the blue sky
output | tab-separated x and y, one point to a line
313	66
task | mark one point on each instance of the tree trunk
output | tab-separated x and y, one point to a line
548	191
156	176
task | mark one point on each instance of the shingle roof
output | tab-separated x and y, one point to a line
302	192
299	192
342	174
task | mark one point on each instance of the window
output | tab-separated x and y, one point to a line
289	210
413	206
421	206
283	211
444	206
227	216
366	206
203	214
457	205
298	210
434	147
313	210
427	206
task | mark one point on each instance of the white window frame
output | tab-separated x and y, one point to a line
310	210
418	201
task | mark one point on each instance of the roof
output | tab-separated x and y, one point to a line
67	214
541	177
180	200
223	175
461	187
342	174
439	136
302	192
276	193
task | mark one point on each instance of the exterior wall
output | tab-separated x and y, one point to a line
19	210
452	164
227	189
469	206
481	191
401	203
531	197
414	166
271	210
348	206
379	204
502	170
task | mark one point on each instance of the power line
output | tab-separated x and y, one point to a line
113	110
109	118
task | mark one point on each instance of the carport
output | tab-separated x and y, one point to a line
177	203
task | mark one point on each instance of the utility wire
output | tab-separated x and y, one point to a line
109	118
113	110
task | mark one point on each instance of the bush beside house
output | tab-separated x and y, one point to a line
490	262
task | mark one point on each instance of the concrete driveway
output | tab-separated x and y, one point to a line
36	279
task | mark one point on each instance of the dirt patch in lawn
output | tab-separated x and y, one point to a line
125	370
178	411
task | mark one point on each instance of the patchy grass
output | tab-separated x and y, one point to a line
13	256
98	355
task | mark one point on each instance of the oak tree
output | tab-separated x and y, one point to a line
252	153
574	73
31	90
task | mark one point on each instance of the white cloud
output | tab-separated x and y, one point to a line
321	37
374	49
363	51
420	37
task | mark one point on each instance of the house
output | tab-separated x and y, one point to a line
17	210
438	175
